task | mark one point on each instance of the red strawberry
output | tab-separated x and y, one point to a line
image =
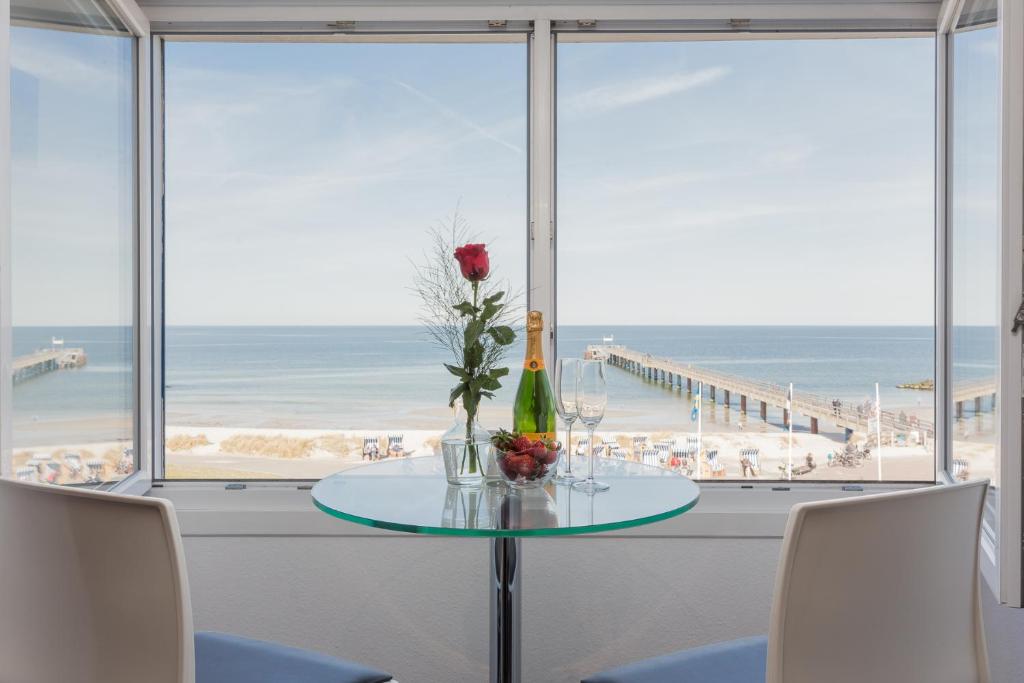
551	457
526	465
521	443
539	452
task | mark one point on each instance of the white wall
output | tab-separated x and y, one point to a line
417	607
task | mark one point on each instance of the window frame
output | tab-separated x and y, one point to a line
137	25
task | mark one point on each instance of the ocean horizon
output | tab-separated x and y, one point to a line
391	377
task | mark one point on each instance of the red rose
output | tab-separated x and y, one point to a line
474	262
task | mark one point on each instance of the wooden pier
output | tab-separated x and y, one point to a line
47	360
722	388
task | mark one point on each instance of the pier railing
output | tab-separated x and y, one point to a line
46	360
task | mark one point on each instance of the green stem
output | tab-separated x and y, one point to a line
471	414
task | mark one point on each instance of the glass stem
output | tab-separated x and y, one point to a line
590	470
568	449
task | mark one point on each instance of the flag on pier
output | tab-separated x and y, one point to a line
695	412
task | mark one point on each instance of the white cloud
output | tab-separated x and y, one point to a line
637	91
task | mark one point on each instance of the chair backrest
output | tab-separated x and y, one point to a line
95	588
881	588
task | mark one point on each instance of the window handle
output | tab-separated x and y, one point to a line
1018	320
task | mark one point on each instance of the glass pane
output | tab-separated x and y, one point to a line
302	179
974	253
73	218
754	215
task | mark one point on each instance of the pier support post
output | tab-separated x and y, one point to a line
712	392
814	425
743	404
689	385
785	417
959	409
764	411
726	397
977	404
993	401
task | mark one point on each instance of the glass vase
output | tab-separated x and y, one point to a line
466	451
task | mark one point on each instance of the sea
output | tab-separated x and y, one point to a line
391	377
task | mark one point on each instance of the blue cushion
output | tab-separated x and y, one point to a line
223	658
735	661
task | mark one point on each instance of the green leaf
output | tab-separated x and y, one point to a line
494	298
470	401
474	355
458	372
456	393
488	394
465	308
491	383
489	310
498	372
473	331
502	334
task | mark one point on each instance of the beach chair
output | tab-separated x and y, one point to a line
126	463
95	469
750	460
34	464
371	448
51	474
639	444
396	449
73	461
715	468
649	456
692	443
26	474
618	452
583	446
960	471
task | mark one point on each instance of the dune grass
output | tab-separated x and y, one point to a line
186	442
278	446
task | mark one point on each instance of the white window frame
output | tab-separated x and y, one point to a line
1001	551
138	24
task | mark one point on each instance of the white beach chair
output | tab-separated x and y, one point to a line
371	448
26	474
639	444
692	443
716	468
618	452
96	469
651	457
396	449
750	460
583	446
73	461
960	471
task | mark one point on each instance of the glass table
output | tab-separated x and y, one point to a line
412	495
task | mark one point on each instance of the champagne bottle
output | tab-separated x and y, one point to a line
535	402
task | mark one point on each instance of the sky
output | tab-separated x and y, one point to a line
703	182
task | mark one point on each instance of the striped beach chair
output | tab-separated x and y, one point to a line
371	448
651	457
396	448
715	468
960	471
26	474
750	460
618	452
583	446
692	443
96	469
639	444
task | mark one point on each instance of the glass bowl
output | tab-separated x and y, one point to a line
527	469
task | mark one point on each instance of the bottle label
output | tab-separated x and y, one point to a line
534	352
540	436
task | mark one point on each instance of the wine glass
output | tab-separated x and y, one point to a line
567	387
591	401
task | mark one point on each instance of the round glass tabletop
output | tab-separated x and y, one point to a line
412	495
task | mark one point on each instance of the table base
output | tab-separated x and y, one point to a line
506	610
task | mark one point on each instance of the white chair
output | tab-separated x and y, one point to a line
103	598
649	456
879	589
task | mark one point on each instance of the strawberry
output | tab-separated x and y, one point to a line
521	443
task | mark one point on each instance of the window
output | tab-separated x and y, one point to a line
974	234
748	216
301	180
73	217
